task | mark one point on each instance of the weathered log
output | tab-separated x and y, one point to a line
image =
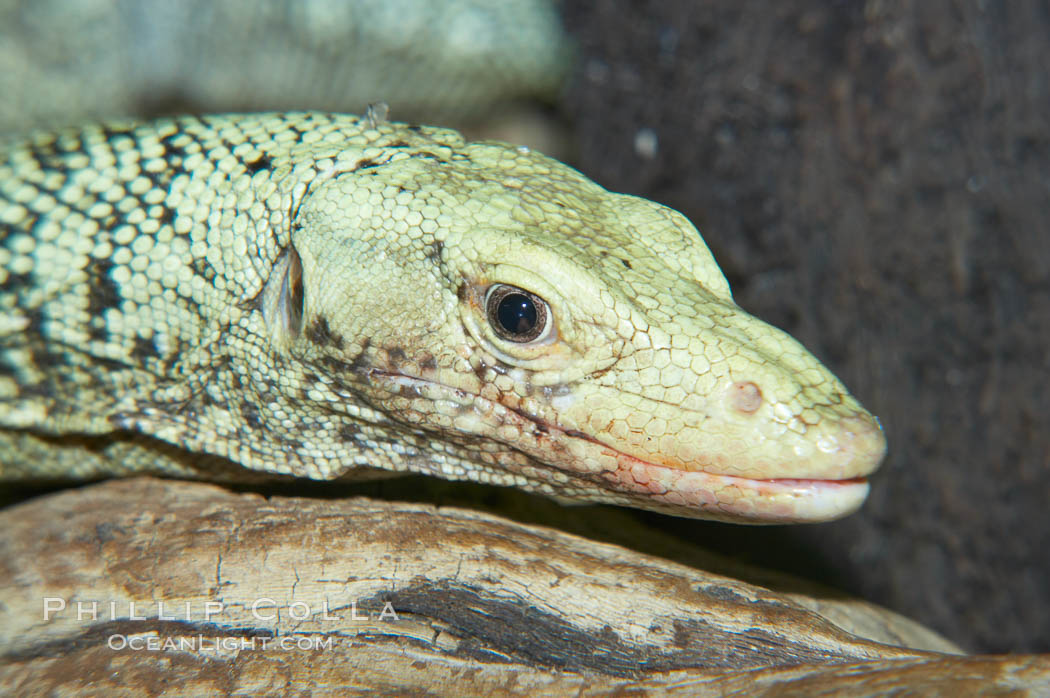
148	585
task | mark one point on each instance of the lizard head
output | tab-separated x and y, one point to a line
525	326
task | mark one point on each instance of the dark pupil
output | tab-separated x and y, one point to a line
516	313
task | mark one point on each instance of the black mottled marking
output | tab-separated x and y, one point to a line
166	216
625	263
162	180
336	365
179	349
398	144
348	432
111	365
360	361
170	148
267	389
35	321
236	382
428	362
103	292
41	390
31	224
144	348
97	330
50	155
298	130
322	335
203	268
45	148
311	378
251	415
366	164
498	367
396	355
292	444
338	386
263	162
111	131
227	143
434	251
16	282
205	398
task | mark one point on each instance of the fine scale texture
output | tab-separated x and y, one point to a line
312	295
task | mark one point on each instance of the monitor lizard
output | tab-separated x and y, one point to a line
326	296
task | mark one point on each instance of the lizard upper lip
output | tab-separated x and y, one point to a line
732	497
694	493
573	433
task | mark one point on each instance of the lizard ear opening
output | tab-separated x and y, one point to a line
282	298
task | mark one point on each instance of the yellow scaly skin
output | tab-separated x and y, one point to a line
319	295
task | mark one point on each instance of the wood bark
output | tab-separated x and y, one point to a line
151	586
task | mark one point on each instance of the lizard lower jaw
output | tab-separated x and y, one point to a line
737	499
700	493
621	478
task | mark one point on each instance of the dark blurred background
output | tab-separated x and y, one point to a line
873	177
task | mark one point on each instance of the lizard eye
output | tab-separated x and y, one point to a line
516	314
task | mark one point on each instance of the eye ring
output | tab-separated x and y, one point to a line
517	315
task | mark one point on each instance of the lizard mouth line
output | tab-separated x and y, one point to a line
624	479
797	481
415	382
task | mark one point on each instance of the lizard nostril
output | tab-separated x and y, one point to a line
745	397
